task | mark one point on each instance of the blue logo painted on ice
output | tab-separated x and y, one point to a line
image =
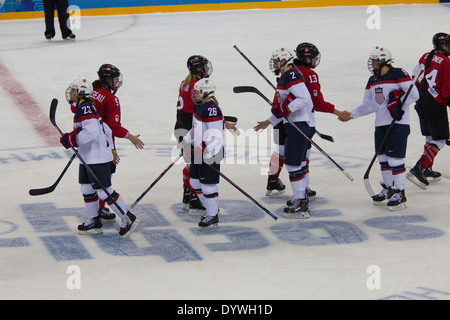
324	228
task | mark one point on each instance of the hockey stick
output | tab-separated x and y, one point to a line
255	90
323	136
366	174
157	179
53	106
41	191
245	193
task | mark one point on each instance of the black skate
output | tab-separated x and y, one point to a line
129	225
297	208
311	194
91	226
397	201
274	187
431	176
106	215
195	206
416	176
209	222
385	194
186	198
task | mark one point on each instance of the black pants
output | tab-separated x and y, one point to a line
63	16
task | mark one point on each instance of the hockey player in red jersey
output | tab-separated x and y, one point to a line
93	138
434	91
384	94
110	79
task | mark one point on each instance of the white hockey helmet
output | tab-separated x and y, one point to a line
81	88
281	58
382	56
203	88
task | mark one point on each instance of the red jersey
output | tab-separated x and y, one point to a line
108	106
438	77
185	102
312	83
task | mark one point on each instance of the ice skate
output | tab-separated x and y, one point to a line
209	222
186	198
274	187
431	176
128	225
91	226
311	194
195	206
297	209
416	176
106	215
397	201
385	194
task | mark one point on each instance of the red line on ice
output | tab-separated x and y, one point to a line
28	106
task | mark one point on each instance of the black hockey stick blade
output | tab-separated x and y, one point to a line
241	89
52	116
41	191
231	119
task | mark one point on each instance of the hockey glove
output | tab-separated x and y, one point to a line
394	105
281	109
68	139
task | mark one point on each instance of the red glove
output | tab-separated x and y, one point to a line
68	139
394	105
281	109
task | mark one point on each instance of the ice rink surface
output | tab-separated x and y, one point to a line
348	249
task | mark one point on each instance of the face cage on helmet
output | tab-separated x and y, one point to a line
317	58
68	90
381	64
274	66
198	96
204	71
113	84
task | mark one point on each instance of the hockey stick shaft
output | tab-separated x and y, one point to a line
156	180
254	90
366	174
41	191
53	106
323	136
245	193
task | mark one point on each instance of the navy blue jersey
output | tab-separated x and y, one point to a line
207	128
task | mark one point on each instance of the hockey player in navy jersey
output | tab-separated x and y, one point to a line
307	58
434	91
93	138
293	100
204	146
383	96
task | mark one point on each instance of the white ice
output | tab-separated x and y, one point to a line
348	249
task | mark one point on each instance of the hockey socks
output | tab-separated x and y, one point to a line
276	164
429	153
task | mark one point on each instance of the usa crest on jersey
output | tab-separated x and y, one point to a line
379	96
